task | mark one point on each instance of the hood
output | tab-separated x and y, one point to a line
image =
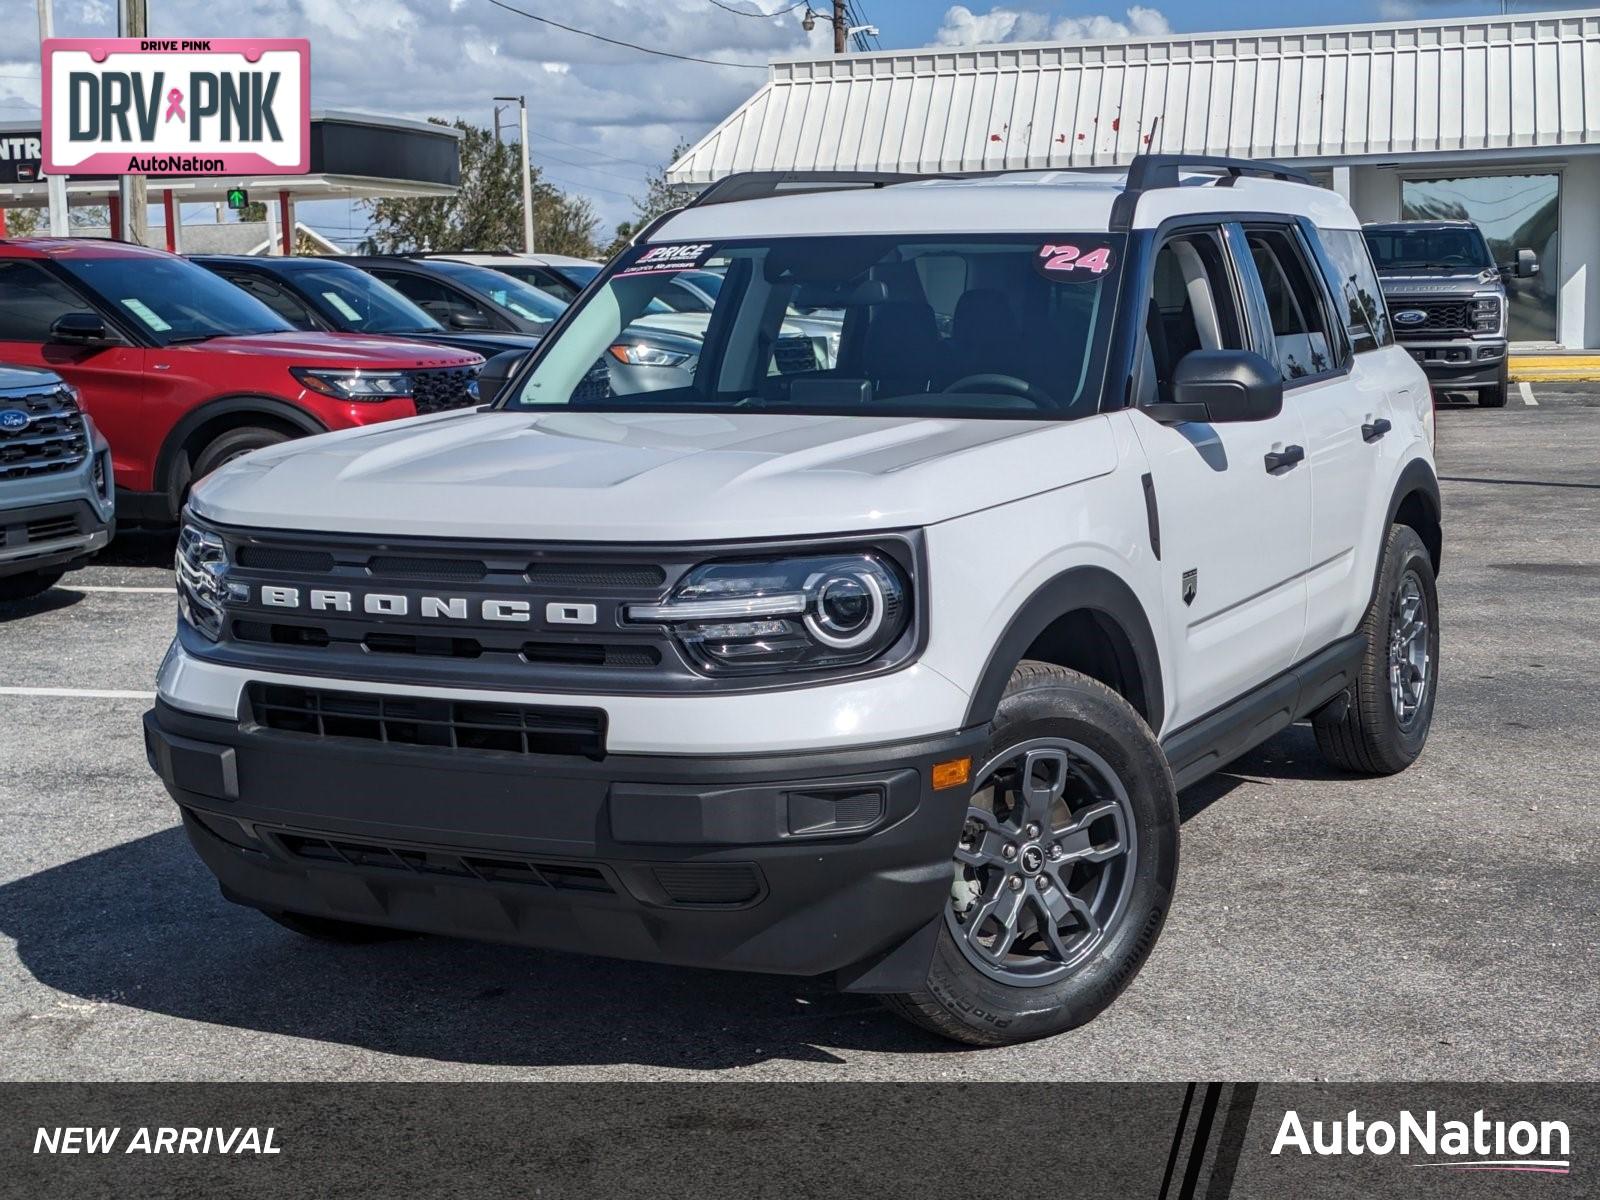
660	477
14	379
1440	284
300	348
486	344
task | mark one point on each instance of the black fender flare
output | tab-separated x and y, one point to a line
1416	476
1095	589
222	406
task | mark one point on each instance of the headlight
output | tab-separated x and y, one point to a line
201	563
1486	315
355	384
641	354
785	614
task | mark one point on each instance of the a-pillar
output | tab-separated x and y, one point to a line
286	222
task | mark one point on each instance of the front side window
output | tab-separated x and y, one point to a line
1191	308
30	301
275	297
844	325
514	295
1355	288
172	300
1303	346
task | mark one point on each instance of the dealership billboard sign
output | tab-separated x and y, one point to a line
165	106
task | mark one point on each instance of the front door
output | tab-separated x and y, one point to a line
1233	527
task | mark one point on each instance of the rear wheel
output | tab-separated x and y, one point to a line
1384	721
22	587
1065	869
236	443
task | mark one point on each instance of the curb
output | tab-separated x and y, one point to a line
1554	368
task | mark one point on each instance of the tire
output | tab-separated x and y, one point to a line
1069	728
1495	397
343	933
231	445
25	587
1372	735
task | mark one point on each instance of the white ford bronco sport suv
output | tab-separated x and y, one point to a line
882	659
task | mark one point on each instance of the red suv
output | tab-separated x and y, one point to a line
182	371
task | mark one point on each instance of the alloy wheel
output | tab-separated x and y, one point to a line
1045	864
1409	660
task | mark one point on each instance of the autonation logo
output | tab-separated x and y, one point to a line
1480	1144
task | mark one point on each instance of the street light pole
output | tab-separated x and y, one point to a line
55	185
527	170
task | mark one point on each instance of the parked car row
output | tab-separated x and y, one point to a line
128	373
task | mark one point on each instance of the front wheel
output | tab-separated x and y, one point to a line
235	443
1495	397
1065	869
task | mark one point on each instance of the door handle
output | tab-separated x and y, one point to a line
1282	460
1374	430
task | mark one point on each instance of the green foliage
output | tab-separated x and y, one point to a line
486	213
24	222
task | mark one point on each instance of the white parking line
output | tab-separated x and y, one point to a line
1527	393
76	693
89	587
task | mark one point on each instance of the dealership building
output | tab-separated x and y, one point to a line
1493	119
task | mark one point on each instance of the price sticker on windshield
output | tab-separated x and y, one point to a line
663	260
1073	260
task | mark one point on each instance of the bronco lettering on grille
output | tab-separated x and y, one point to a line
428	608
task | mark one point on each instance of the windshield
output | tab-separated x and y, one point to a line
360	303
174	300
523	299
986	326
1458	250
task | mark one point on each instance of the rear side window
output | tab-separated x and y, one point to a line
1303	344
1354	284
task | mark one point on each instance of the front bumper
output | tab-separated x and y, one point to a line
801	863
1460	363
43	537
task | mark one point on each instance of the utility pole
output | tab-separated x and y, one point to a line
55	185
133	21
841	26
527	170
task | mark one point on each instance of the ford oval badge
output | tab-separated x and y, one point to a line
1410	316
14	419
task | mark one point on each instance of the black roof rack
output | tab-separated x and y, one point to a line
757	185
1148	172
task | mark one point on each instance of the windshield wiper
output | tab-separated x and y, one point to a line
184	339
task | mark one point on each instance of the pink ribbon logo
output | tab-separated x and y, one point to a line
175	105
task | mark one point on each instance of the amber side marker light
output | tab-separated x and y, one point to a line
953	773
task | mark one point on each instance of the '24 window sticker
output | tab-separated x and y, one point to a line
1068	261
665	260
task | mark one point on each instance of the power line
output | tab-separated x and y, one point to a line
628	162
760	16
600	37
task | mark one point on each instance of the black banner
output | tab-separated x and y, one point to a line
989	1141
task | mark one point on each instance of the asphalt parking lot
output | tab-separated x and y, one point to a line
1442	924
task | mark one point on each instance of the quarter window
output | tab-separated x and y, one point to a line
1303	345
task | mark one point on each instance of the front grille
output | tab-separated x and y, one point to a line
435	391
275	558
52	528
457	725
542	873
793	355
53	442
1444	316
596	575
595	386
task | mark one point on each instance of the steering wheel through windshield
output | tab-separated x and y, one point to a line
1011	385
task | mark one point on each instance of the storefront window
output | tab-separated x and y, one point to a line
1514	212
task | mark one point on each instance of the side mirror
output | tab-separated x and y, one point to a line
80	328
1222	385
1527	263
462	319
495	373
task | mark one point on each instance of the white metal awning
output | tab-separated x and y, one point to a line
1511	86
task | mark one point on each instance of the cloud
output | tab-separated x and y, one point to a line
963	27
603	115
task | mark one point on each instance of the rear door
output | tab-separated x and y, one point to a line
1233	529
110	374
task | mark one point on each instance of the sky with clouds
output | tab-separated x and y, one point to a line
603	115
